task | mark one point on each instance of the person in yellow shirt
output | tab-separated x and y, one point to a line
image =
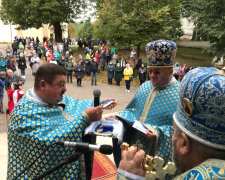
128	75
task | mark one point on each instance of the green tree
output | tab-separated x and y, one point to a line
34	13
137	22
86	30
72	31
209	19
78	26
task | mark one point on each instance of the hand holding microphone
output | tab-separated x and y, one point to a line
94	113
108	103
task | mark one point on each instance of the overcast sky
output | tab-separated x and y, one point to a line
86	14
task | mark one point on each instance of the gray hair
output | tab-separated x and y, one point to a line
9	71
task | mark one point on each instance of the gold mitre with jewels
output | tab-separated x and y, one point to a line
161	53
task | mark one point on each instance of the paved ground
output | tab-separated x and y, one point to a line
84	92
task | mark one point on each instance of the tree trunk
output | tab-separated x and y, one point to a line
138	50
58	31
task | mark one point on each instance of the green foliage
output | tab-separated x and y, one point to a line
33	13
72	31
85	30
209	18
137	22
78	26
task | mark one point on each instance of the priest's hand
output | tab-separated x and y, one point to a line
132	161
94	113
150	135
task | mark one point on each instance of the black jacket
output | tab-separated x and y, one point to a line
14	45
11	65
94	66
22	63
142	73
79	70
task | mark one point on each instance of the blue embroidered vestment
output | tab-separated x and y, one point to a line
34	125
155	107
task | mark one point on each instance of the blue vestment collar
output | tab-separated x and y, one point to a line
32	95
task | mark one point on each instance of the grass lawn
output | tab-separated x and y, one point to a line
207	59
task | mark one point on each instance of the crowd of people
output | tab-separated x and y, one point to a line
29	52
104	58
19	56
117	69
10	81
179	71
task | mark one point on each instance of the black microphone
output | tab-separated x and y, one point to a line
96	94
86	147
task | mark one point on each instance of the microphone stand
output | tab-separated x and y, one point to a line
69	160
89	156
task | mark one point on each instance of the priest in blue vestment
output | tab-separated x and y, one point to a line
155	101
43	116
199	130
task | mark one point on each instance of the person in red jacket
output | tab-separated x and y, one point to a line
96	57
14	94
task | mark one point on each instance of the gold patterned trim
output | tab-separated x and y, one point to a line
68	117
148	103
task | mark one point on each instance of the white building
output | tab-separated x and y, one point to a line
188	28
7	33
